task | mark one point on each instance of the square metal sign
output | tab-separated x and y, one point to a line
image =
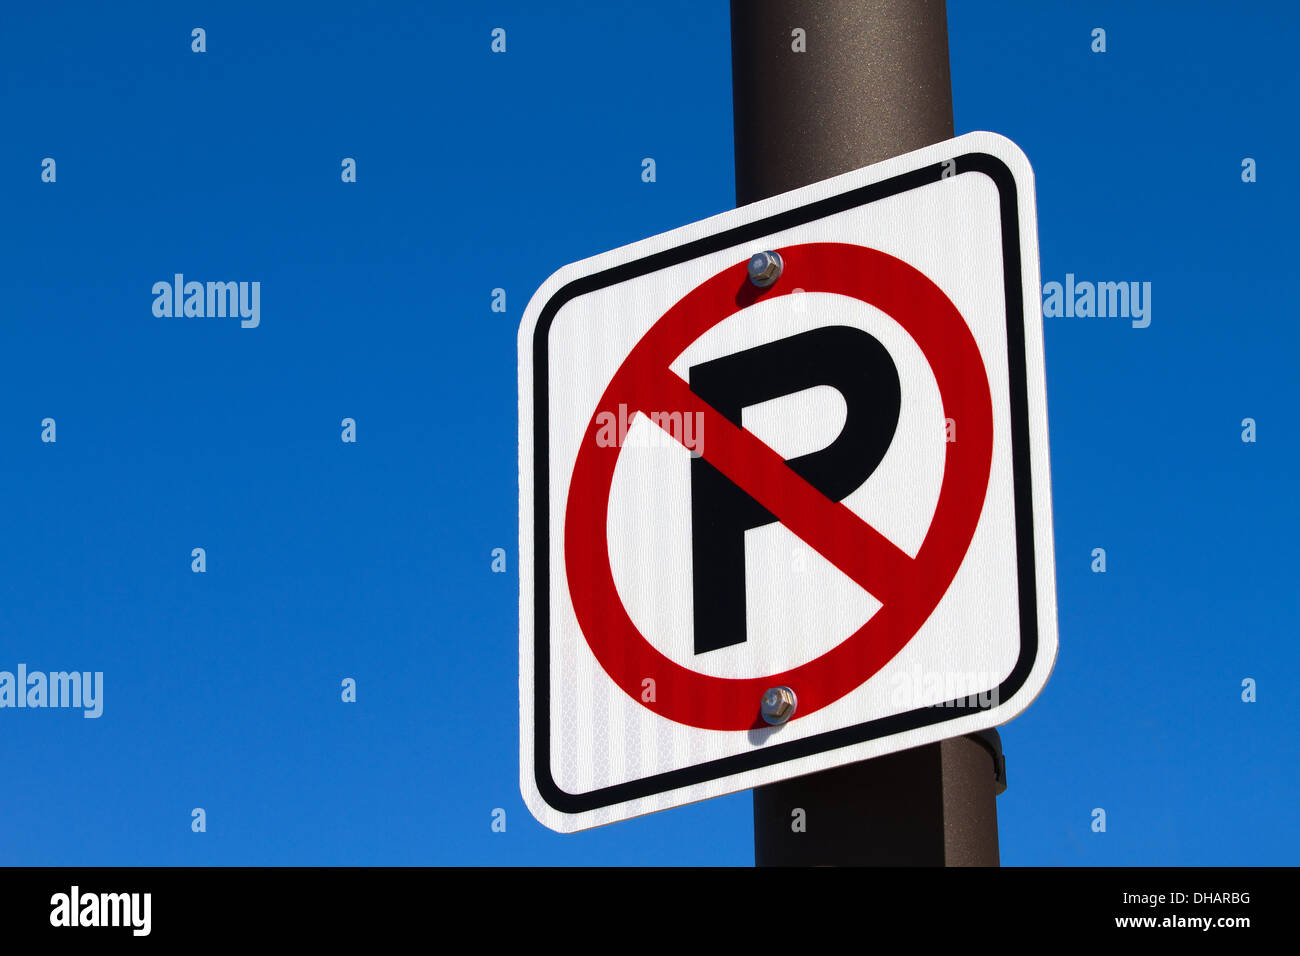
784	488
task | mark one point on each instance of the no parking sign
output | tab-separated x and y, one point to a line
781	516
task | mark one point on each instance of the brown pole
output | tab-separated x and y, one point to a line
870	82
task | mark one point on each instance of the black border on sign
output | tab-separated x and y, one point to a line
567	802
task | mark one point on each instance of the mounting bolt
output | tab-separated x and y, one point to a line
765	268
778	705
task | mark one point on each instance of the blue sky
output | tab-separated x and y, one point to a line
477	171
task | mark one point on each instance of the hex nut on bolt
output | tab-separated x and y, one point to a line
778	705
765	268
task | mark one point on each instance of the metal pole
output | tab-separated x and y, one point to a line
821	87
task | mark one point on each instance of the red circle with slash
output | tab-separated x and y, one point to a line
908	588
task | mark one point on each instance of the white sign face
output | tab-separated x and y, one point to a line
835	484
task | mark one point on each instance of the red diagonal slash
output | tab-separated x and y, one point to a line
870	559
909	589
